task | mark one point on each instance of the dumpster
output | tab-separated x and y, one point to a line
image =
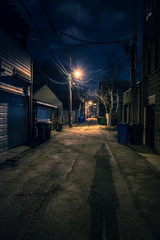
44	131
136	134
123	133
102	120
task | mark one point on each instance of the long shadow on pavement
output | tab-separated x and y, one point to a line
103	199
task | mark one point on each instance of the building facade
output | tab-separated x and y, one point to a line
151	74
15	93
47	108
15	79
127	101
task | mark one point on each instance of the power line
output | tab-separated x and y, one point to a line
51	78
56	31
88	42
61	68
49	20
30	16
39	31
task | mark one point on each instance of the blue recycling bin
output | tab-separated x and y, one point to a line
81	119
123	133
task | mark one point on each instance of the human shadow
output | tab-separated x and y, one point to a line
103	199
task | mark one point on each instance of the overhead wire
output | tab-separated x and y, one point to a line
62	66
89	42
54	30
60	70
49	20
59	33
38	29
51	78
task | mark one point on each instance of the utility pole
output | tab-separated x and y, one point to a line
70	99
70	89
84	100
134	65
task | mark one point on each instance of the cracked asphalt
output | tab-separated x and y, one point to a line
79	185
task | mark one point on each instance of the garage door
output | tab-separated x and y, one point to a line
13	121
44	114
17	122
3	127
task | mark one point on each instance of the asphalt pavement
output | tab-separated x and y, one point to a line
81	184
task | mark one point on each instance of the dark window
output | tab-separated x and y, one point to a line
156	54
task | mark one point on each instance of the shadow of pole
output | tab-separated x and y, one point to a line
103	199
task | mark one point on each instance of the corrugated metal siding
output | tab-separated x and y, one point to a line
14	60
3	127
13	56
127	97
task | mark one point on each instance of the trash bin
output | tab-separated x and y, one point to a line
123	132
81	119
44	131
102	120
136	134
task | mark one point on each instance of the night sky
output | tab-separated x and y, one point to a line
93	21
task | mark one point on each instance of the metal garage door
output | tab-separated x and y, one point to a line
44	114
3	127
13	121
17	122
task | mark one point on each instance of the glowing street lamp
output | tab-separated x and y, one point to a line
77	73
90	103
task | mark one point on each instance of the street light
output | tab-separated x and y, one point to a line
77	73
90	103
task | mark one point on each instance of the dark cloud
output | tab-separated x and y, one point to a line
75	12
108	24
75	31
92	20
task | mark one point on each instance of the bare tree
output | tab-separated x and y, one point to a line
111	89
106	98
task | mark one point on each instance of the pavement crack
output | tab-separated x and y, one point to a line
47	197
